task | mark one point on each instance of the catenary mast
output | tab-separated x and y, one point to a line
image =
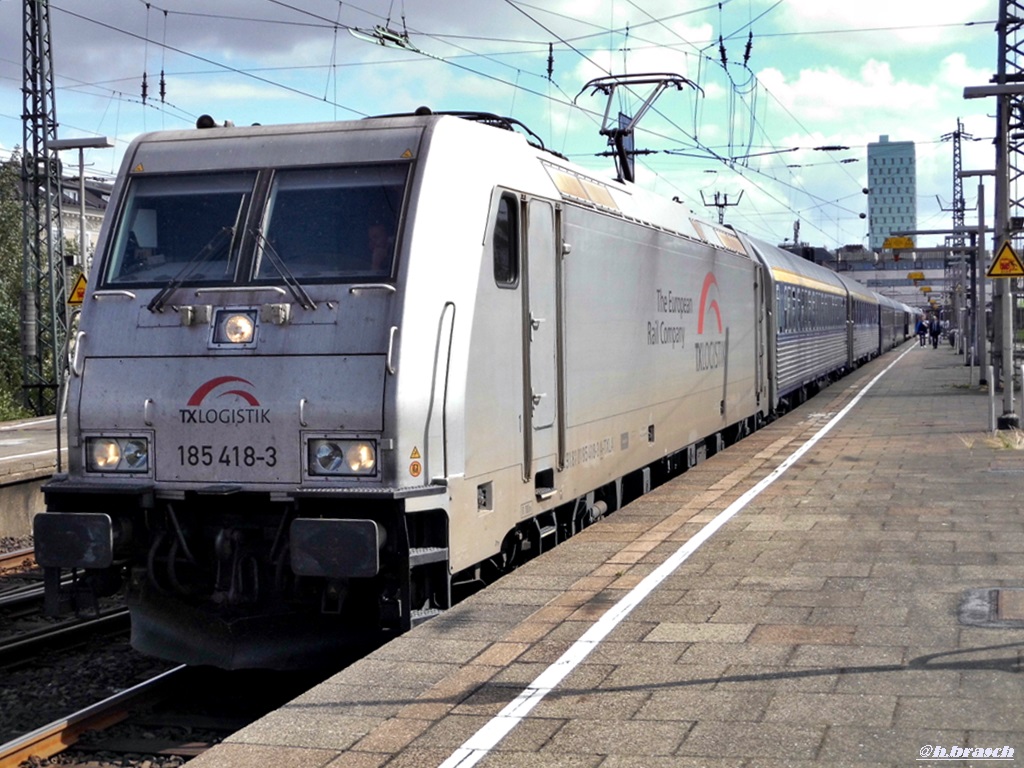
43	312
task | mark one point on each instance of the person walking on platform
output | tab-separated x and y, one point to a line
922	330
934	329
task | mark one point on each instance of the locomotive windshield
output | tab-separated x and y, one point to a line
168	220
334	222
323	224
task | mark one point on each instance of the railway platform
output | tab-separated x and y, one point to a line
28	457
844	588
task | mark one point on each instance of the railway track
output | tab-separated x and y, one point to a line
165	720
25	630
59	735
20	578
52	668
17	561
26	645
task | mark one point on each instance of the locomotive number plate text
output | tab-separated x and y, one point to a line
226	455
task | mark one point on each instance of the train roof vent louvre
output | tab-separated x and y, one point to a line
580	188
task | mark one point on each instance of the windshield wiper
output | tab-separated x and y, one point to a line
213	248
298	292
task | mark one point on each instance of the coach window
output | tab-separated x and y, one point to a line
505	242
784	297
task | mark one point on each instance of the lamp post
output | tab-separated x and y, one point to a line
98	142
81	145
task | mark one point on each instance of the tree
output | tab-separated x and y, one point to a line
10	289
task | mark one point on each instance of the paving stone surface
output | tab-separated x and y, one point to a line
819	626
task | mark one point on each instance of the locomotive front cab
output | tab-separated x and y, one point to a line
231	451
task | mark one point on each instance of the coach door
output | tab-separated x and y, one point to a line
540	334
762	302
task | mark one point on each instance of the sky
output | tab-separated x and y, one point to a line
776	101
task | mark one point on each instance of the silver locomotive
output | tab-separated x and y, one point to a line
331	377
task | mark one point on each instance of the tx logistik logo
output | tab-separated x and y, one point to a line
709	355
219	387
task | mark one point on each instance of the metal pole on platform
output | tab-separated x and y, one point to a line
979	268
961	329
1009	418
991	401
980	311
1003	292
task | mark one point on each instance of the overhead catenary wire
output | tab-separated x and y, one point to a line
518	79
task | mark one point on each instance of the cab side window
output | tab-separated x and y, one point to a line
505	242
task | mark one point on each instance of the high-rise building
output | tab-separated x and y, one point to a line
892	189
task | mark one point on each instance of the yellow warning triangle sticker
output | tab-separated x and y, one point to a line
1006	263
415	453
77	295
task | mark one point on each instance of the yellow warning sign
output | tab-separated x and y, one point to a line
898	243
1006	263
415	453
77	295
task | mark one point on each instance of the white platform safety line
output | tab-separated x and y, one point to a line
47	452
26	424
484	740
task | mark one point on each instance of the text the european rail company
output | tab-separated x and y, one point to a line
669	331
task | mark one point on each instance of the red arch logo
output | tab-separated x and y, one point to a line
208	387
709	302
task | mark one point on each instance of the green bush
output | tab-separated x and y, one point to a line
10	288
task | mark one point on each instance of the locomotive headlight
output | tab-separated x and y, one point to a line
327	457
117	454
342	457
361	458
104	454
238	329
234	327
136	454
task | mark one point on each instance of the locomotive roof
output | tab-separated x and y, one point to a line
398	135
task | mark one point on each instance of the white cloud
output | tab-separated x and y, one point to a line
892	22
825	80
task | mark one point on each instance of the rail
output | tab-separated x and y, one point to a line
24	645
15	560
59	735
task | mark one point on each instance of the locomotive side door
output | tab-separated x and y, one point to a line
540	339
